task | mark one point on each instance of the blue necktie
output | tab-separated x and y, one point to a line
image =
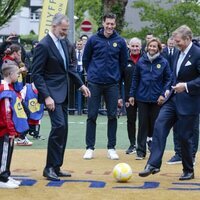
60	49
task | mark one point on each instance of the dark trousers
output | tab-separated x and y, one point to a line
6	151
195	140
147	114
167	117
79	100
131	112
110	94
72	92
57	137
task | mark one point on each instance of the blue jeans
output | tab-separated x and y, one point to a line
110	94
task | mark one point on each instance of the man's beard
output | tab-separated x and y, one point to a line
61	37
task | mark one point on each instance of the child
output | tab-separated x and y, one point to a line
13	54
13	121
34	109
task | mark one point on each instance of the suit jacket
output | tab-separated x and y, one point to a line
188	103
48	71
169	58
72	53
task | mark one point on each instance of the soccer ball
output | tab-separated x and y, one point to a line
122	172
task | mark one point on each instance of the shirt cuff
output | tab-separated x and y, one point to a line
186	88
81	87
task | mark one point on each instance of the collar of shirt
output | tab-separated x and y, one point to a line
171	49
77	51
135	58
54	38
187	49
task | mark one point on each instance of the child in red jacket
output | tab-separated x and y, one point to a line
13	121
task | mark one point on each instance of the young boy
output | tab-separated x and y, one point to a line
13	121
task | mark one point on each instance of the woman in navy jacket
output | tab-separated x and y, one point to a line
150	81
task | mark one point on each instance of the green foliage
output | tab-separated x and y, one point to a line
130	33
117	7
95	10
8	9
92	8
164	21
27	39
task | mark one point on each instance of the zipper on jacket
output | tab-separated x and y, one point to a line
151	68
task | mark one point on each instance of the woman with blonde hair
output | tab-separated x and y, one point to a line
151	79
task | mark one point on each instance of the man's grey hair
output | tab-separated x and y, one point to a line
184	31
58	18
135	39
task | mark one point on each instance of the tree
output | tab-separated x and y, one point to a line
117	7
92	7
97	8
162	22
8	9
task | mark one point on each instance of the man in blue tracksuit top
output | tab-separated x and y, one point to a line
104	58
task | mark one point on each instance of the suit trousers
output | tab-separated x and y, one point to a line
58	136
167	117
195	140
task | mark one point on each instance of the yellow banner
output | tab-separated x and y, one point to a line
50	8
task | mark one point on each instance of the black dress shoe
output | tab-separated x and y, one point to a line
187	176
149	169
50	174
63	174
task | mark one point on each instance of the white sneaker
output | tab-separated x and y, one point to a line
9	185
112	154
88	154
23	142
16	182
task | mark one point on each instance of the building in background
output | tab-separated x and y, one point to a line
27	20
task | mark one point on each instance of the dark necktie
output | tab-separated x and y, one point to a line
79	60
171	52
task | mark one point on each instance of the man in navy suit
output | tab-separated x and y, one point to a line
170	52
182	106
50	70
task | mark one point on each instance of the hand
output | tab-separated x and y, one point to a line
127	104
50	104
132	101
10	37
180	87
160	100
120	103
85	91
23	69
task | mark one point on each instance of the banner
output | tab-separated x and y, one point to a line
50	8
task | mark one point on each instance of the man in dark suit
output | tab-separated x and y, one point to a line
148	37
182	106
170	52
50	70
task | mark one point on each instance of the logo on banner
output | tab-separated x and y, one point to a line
50	8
